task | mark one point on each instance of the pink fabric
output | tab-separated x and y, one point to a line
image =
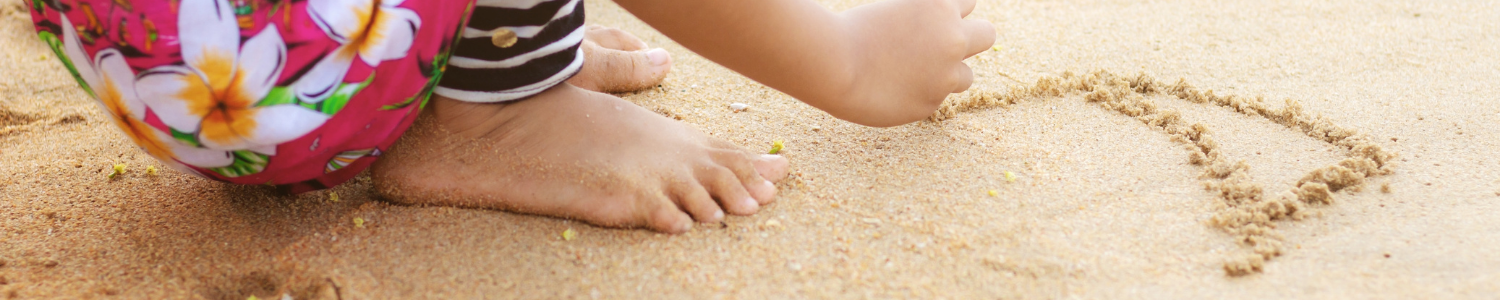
311	146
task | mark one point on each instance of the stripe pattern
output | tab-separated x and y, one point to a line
546	52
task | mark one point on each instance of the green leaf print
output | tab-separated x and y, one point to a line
278	95
340	97
246	162
189	138
57	49
439	66
422	95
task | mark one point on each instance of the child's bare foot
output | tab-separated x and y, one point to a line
616	61
575	154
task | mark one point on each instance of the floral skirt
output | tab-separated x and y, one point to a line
298	94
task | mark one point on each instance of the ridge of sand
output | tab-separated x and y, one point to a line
1246	213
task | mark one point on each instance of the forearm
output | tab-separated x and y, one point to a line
794	46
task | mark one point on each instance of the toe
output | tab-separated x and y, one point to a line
695	200
772	167
614	71
745	169
612	38
725	186
646	69
663	215
653	210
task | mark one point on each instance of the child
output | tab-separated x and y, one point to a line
306	94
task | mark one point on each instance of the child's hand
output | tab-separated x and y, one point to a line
907	57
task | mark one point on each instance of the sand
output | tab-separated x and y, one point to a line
1111	197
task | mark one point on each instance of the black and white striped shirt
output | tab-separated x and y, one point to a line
546	51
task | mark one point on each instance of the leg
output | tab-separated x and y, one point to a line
572	153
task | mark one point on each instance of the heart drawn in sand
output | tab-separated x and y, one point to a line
1247	214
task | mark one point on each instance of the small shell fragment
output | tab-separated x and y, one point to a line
993	193
151	170
739	107
359	222
773	223
1010	177
570	234
776	147
333	196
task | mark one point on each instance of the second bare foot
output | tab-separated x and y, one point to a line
616	61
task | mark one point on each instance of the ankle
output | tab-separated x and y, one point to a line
464	118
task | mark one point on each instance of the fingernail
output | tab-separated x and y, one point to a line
769	156
658	56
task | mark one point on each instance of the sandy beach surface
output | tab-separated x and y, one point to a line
1038	187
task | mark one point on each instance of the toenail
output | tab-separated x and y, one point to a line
718	215
658	56
750	202
684	226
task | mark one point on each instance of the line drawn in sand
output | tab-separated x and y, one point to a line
12	121
1246	213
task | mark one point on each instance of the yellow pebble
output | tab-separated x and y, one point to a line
993	193
996	48
151	170
1010	177
776	147
569	234
359	222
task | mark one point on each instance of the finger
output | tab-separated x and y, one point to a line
981	35
963	77
725	186
965	7
694	199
